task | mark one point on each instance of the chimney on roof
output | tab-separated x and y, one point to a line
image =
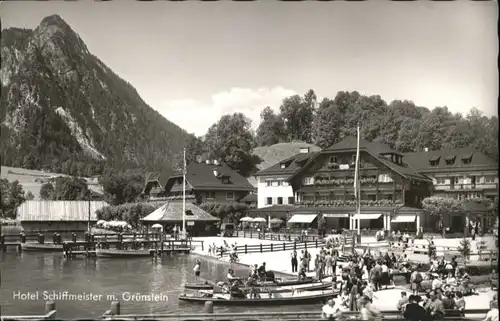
426	149
304	150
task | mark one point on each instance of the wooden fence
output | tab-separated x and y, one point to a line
50	314
275	247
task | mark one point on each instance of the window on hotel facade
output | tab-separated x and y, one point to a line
489	179
230	195
384	178
291	200
280	182
269	200
333	159
440	181
210	195
280	200
308	180
285	183
269	182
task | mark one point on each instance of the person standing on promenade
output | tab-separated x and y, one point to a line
492	315
368	311
294	261
328	263
402	302
416	280
354	295
414	311
460	303
329	312
436	309
196	269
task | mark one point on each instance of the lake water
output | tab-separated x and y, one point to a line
36	273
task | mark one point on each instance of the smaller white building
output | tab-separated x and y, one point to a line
272	185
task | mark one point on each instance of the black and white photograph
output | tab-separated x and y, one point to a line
249	160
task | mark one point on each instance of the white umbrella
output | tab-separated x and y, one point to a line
246	219
157	226
106	224
259	220
276	221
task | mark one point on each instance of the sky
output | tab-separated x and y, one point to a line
195	61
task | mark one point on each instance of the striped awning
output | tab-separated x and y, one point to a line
302	218
404	219
366	216
335	215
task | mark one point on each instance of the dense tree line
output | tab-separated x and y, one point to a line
128	212
65	188
11	196
401	124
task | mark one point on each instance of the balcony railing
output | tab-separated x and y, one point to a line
461	186
333	203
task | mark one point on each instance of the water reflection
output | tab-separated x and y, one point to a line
50	272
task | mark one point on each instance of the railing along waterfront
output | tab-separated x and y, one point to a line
274	247
279	236
208	314
50	314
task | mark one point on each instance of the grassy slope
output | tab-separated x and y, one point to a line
31	179
271	155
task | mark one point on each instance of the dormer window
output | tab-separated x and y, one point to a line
450	160
189	213
434	160
225	180
467	159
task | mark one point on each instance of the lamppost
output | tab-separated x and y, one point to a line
89	193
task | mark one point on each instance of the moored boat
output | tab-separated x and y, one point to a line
283	298
287	288
46	247
114	253
207	285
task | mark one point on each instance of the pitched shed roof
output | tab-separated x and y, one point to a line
292	165
161	177
172	212
421	161
201	177
59	210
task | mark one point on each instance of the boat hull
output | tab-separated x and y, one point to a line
288	288
122	253
210	286
265	301
32	247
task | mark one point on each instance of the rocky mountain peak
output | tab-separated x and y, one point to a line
60	103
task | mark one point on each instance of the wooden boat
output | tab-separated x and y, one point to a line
208	285
114	253
46	247
285	298
287	288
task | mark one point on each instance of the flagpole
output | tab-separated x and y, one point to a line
358	188
184	195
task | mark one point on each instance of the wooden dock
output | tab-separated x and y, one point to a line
153	244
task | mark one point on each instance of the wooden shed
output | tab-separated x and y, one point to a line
64	217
